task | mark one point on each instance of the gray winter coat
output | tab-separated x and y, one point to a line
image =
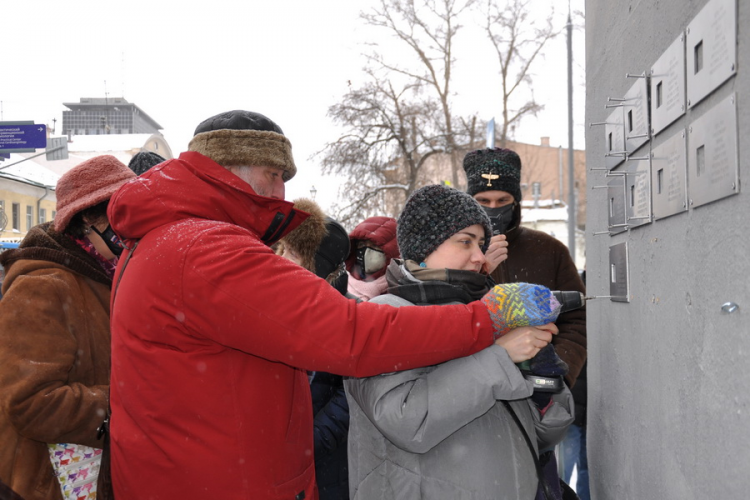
441	432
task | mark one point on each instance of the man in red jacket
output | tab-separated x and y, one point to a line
212	334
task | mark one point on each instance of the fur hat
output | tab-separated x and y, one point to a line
320	241
88	184
494	169
433	214
244	138
143	161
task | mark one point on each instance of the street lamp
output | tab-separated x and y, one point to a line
313	192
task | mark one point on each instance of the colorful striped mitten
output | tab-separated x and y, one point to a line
520	304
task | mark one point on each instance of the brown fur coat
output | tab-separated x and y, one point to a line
54	357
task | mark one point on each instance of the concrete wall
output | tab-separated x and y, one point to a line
669	372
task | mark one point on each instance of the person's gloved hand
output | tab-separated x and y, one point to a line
520	304
547	363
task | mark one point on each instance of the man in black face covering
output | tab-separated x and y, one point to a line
520	254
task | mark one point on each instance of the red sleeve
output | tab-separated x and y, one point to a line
257	302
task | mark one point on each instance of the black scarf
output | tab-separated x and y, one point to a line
423	286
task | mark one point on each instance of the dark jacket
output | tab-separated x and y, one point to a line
580	393
536	257
54	357
330	430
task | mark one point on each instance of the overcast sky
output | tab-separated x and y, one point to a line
288	59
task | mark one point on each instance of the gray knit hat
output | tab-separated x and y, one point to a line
433	214
494	169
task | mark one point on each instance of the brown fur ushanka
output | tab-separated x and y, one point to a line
230	148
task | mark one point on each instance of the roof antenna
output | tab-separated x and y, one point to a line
106	107
122	75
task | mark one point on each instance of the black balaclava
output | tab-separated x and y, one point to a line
501	218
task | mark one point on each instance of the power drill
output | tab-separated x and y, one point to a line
569	300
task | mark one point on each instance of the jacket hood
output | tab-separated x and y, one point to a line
194	186
44	244
382	232
306	239
379	230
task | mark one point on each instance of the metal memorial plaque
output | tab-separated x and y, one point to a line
614	131
618	273
713	167
616	205
638	193
668	86
635	116
668	176
711	49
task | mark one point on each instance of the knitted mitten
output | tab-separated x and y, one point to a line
520	304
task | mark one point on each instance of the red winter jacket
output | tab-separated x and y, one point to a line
212	334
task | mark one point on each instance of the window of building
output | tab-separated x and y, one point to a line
42	215
29	217
54	212
17	217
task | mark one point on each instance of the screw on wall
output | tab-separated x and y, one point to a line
729	307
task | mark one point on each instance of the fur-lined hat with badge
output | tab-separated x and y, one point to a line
496	169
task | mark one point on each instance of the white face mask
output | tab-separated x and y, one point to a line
370	260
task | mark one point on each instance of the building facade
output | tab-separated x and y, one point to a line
24	203
98	116
94	127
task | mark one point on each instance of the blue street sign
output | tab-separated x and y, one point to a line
22	137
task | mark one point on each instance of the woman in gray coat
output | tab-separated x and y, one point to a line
443	432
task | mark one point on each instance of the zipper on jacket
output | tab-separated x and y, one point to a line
274	231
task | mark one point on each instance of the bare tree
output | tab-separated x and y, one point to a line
517	41
400	131
428	29
388	136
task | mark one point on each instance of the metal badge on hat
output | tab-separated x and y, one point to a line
490	177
